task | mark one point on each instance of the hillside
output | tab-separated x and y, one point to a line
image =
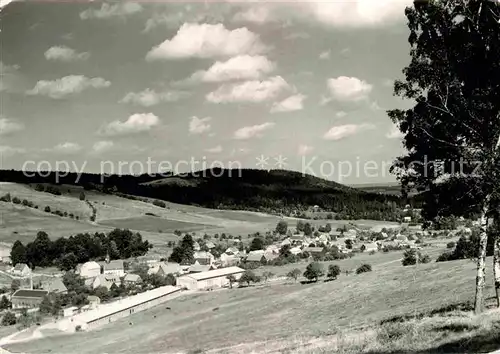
296	318
277	191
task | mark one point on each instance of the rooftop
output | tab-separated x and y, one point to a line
35	294
215	273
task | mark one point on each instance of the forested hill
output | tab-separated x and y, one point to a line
275	191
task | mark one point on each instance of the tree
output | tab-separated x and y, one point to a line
285	251
46	305
364	268
184	252
308	230
314	271
328	227
231	279
348	244
333	271
68	262
15	284
8	319
267	276
249	277
294	274
18	253
454	127
257	244
282	227
5	303
82	195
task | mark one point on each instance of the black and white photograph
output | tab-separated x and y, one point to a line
249	176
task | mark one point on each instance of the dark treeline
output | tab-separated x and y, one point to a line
66	253
279	192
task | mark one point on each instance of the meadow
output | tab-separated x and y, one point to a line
278	313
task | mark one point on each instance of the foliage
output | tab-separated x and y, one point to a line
257	244
294	274
364	268
184	252
267	275
8	319
467	247
15	284
5	303
412	256
451	244
159	203
333	271
249	277
308	229
314	271
282	227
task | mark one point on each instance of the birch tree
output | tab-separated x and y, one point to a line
452	131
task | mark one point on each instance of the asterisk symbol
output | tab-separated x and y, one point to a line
280	161
262	161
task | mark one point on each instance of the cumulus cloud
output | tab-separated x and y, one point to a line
343	131
340	114
119	9
66	86
215	149
67	148
305	149
9	126
394	133
194	40
252	131
255	14
199	125
136	123
241	67
102	146
355	13
250	91
66	54
149	97
290	104
345	88
325	55
9	150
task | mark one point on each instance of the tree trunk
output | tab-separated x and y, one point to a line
481	260
496	263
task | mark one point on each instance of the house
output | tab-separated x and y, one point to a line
21	270
94	301
198	268
196	246
54	285
369	247
295	250
106	280
163	269
286	242
210	245
232	250
203	258
5	256
273	249
260	257
115	267
313	250
208	280
401	238
90	270
27	299
132	279
227	260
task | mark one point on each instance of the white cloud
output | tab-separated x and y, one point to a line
207	41
305	149
116	10
9	150
290	104
8	75
343	131
375	106
345	88
67	86
215	149
249	91
354	13
259	14
148	97
9	126
136	123
67	148
241	67
102	146
63	53
252	131
394	133
325	55
199	125
340	114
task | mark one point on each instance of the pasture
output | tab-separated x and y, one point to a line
246	317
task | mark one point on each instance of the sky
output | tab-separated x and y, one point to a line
137	87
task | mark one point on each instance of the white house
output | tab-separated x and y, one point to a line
115	267
90	270
369	247
203	258
21	270
211	279
407	219
5	255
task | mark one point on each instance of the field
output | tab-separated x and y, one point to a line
246	317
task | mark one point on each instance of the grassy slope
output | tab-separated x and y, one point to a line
268	313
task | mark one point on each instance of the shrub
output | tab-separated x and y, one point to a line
451	244
82	196
364	268
159	203
8	319
47	209
314	271
6	198
333	271
16	200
